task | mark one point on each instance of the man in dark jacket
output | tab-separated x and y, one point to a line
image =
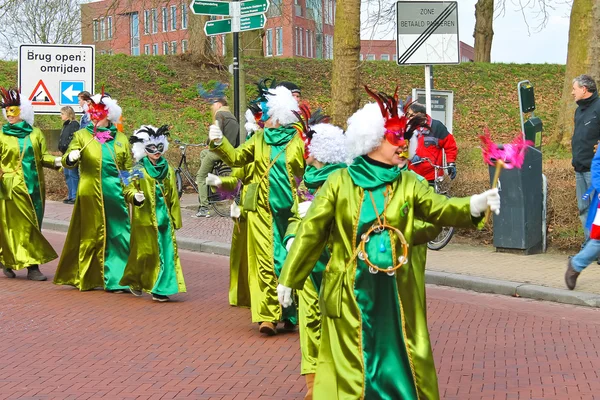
231	130
585	136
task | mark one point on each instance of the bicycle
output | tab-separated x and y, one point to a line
215	200
446	234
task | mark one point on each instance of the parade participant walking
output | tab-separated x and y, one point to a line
277	154
23	153
374	341
97	244
153	264
70	126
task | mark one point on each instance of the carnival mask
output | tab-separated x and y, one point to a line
155	148
13	111
395	138
97	112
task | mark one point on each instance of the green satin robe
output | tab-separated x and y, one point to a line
266	225
97	243
334	215
239	289
153	265
22	198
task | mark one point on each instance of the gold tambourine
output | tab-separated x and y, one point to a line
378	228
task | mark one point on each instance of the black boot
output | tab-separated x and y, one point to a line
9	273
34	274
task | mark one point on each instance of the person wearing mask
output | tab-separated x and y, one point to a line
70	126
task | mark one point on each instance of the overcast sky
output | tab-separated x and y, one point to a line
512	42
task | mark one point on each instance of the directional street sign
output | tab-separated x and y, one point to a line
254	7
203	7
227	25
427	32
69	90
252	22
217	27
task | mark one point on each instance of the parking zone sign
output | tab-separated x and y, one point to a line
51	75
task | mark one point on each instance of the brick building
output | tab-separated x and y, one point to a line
385	50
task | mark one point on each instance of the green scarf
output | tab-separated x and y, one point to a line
315	177
20	129
279	136
158	171
369	176
111	128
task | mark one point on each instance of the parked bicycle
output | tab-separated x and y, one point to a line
182	172
441	186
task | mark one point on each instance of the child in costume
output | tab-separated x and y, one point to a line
277	154
23	153
97	244
374	339
153	264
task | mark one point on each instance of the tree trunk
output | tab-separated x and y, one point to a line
345	82
199	44
582	58
484	31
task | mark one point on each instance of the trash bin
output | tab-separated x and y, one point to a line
518	228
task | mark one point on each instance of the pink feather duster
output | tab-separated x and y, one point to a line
512	154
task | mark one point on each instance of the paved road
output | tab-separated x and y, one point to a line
58	343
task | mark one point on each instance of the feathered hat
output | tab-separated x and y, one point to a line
12	98
151	138
323	141
100	106
280	105
258	106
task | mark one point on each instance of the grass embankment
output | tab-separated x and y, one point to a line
162	90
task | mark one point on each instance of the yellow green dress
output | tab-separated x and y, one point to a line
374	338
97	244
23	153
153	265
267	225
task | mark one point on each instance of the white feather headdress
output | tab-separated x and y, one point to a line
365	131
148	135
280	104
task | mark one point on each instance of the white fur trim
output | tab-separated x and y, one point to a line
328	144
281	103
114	110
27	113
365	131
250	125
138	149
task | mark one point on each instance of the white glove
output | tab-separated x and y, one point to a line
74	156
58	162
213	180
284	294
288	245
303	208
235	211
139	197
214	134
480	202
251	127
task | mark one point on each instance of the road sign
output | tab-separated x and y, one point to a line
43	69
203	7
69	91
227	25
427	32
254	7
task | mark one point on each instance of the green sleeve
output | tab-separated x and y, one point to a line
47	158
74	145
235	157
173	199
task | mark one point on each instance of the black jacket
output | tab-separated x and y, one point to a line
66	135
586	133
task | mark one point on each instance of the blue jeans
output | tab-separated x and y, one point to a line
72	179
586	256
583	181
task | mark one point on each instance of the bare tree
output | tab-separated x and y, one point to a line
38	21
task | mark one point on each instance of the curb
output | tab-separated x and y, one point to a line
459	281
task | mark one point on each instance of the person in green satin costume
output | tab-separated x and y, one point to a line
23	153
374	340
97	244
153	265
277	154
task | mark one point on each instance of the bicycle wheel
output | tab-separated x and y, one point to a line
442	239
179	182
215	199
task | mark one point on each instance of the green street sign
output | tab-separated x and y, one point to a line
217	27
203	7
254	7
252	22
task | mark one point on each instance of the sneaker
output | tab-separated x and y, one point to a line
69	201
571	276
136	293
34	274
288	326
267	328
9	273
159	297
202	212
117	291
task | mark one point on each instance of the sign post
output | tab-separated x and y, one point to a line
52	75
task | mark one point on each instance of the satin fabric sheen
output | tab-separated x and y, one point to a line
82	262
335	214
261	247
21	241
153	265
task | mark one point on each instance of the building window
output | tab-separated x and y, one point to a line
173	47
328	47
109	30
184	46
298	8
109	52
154	20
301	41
223	47
146	22
165	48
279	40
95	24
329	11
173	18
269	43
155	49
135	33
146	49
165	19
184	16
102	29
308	43
360	57
385	57
370	57
297	41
